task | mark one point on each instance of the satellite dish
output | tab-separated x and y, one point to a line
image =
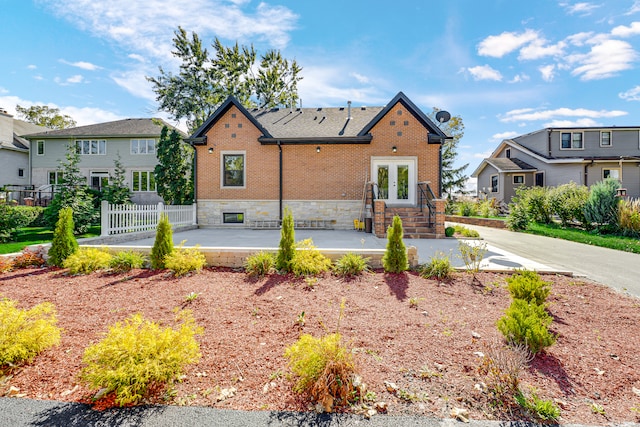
443	116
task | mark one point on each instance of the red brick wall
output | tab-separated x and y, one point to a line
337	172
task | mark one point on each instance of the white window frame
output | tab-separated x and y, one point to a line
149	145
244	169
38	153
149	174
85	147
611	170
610	138
497	183
513	179
571	140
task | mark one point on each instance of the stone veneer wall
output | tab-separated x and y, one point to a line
340	213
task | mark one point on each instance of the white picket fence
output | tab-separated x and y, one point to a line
120	219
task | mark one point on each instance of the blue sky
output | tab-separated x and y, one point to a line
506	67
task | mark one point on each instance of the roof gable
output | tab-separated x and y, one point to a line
220	111
422	118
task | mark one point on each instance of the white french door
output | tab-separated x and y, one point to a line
395	180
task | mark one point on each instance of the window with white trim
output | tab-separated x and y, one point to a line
233	169
143	146
494	183
611	173
605	138
40	148
143	181
571	141
518	179
55	177
88	147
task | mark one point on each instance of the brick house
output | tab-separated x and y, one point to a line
330	166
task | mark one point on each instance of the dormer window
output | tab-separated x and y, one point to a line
605	138
571	141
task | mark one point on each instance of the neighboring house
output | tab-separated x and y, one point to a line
325	164
555	156
14	151
132	140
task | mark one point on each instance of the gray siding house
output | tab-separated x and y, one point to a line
133	141
555	156
14	151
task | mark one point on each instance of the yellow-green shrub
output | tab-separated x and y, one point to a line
308	260
439	267
351	264
528	285
137	354
629	217
260	264
25	333
127	260
87	260
325	368
527	324
184	260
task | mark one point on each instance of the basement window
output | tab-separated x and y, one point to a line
233	218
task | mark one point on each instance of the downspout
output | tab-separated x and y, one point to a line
549	143
586	172
280	178
440	171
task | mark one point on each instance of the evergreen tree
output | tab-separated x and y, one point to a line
117	192
287	246
453	179
64	242
163	244
204	82
395	258
173	175
73	193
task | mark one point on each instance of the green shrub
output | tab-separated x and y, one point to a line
308	260
395	258
544	410
351	264
518	218
567	201
465	232
325	368
163	244
536	202
467	207
439	267
629	217
125	261
138	354
601	208
527	324
87	260
26	333
260	264
286	247
185	260
30	258
14	217
487	208
449	231
528	286
64	242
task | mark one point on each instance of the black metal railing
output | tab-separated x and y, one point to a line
29	195
426	199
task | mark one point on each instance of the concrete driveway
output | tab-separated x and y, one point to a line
616	269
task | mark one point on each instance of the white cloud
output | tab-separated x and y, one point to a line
635	8
497	137
580	39
529	114
632	94
82	64
485	72
137	57
604	60
547	72
624	31
3	90
582	8
518	78
572	123
539	49
144	27
135	82
507	42
69	81
31	67
360	78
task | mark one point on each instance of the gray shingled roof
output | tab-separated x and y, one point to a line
509	165
20	128
315	122
124	128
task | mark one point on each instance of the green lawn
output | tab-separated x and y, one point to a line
35	235
621	243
